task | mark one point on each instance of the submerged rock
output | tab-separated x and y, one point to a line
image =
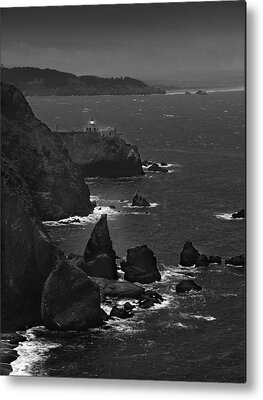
156	168
120	313
139	201
237	260
189	255
239	214
215	260
201	92
141	265
70	300
202	261
99	256
128	306
154	294
146	303
186	285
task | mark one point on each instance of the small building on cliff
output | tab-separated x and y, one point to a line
91	127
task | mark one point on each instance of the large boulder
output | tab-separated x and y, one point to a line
215	260
99	256
27	253
186	285
189	255
239	214
70	300
236	261
139	201
141	265
202	261
113	288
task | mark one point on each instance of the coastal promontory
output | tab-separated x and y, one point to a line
102	156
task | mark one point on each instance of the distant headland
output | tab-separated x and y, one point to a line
50	82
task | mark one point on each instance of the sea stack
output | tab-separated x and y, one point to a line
141	265
139	201
189	255
99	256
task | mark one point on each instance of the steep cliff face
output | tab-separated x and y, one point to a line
27	253
56	184
102	156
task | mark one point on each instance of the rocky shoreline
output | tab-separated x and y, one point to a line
40	284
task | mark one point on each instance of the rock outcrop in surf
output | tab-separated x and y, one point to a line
239	214
70	301
141	265
189	255
236	261
186	285
139	200
95	155
202	261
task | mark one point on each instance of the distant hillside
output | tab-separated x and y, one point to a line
49	82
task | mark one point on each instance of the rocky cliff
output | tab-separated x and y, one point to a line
102	156
56	184
27	253
39	181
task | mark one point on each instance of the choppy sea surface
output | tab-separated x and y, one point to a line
193	337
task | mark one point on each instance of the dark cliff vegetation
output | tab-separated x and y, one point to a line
46	82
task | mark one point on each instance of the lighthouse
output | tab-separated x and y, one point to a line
91	126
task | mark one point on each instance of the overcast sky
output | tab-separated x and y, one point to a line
154	41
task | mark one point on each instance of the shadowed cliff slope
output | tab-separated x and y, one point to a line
56	184
27	253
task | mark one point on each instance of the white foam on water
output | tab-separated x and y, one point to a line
235	266
152	205
95	198
180	325
139	213
168	115
228	217
177	271
30	353
197	316
91	218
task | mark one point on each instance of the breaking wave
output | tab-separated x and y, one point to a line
227	217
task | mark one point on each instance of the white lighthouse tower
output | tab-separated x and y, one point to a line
91	126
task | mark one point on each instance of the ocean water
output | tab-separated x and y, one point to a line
193	337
